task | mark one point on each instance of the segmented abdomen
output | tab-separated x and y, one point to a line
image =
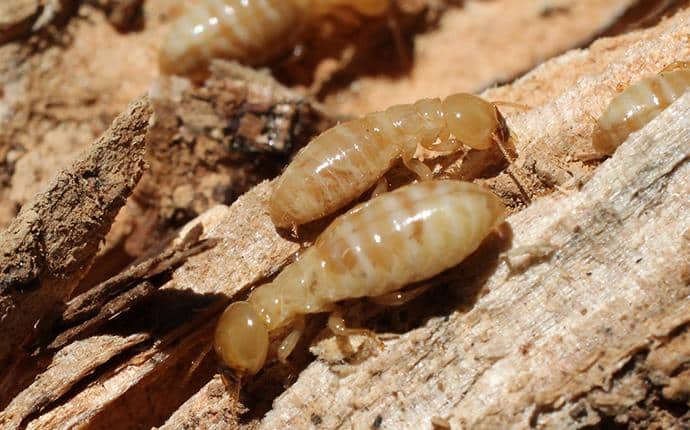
636	106
249	31
404	236
344	161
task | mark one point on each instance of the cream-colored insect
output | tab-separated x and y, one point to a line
251	32
374	250
346	160
639	104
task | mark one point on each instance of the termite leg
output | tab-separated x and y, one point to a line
327	70
231	381
290	342
518	184
336	324
676	65
450	145
419	168
195	364
533	253
380	188
513	105
446	143
398	298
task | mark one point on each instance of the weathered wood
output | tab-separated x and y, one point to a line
60	376
553	139
51	243
60	97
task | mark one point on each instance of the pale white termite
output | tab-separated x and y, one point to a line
340	164
638	104
251	32
374	250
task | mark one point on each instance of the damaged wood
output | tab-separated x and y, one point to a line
62	375
603	53
51	243
62	94
553	139
87	304
211	143
88	312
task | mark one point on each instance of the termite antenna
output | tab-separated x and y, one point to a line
511	138
513	105
393	25
522	190
197	362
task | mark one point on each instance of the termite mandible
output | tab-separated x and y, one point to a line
638	104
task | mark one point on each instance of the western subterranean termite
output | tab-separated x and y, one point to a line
251	32
374	250
638	104
340	164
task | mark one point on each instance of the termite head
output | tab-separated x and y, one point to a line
474	121
241	338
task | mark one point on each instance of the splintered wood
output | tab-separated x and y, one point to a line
51	243
575	314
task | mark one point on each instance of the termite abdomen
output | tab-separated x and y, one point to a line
342	163
639	104
252	32
407	235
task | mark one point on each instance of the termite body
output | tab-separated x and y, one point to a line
375	249
639	104
340	164
251	32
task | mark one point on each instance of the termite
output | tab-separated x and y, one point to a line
251	32
374	250
639	104
340	164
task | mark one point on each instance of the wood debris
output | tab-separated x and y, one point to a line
211	143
